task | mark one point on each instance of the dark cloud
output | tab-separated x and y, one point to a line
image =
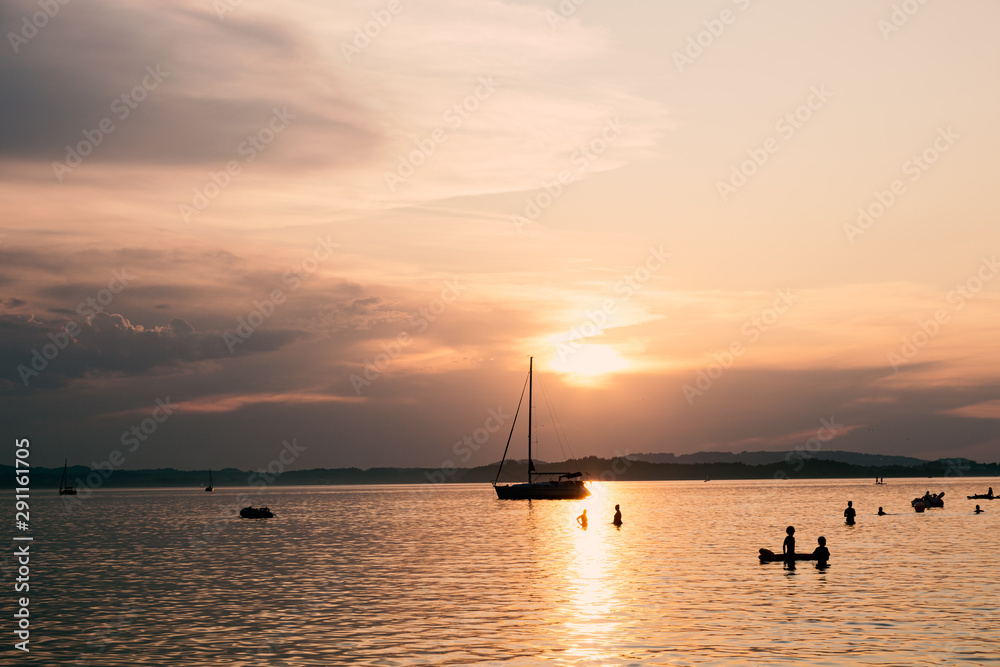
181	328
363	305
216	82
110	344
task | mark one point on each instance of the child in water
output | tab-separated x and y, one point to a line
788	547
822	553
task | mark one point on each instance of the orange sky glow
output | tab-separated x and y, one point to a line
353	226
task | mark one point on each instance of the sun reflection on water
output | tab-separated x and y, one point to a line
591	619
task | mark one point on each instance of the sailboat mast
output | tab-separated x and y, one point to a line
531	361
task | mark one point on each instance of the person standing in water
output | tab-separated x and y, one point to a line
582	520
978	511
880	512
788	546
849	513
618	516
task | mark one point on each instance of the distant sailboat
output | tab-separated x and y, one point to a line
561	485
65	490
210	487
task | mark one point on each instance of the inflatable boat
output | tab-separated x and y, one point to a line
256	513
929	500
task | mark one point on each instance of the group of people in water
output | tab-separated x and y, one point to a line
617	520
821	553
850	513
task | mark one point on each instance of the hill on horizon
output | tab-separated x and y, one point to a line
767	457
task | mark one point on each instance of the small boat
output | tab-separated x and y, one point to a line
256	513
768	556
558	486
982	496
210	487
64	489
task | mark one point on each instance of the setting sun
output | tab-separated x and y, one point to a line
587	362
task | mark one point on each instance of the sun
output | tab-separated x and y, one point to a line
586	362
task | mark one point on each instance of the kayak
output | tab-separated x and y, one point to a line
768	556
981	496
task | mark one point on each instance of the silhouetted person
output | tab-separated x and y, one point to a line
821	553
989	494
880	512
582	520
788	546
849	513
978	511
618	517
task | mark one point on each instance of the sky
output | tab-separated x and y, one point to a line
230	226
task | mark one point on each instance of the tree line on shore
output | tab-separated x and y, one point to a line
615	469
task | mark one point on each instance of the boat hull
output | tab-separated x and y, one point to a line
981	496
562	490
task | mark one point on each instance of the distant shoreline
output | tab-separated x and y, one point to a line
620	469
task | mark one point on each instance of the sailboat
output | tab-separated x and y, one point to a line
540	485
65	490
210	487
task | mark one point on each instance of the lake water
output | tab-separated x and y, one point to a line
406	575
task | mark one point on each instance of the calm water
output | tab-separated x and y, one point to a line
398	575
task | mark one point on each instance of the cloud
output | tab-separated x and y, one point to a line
233	402
209	84
983	410
548	101
109	344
